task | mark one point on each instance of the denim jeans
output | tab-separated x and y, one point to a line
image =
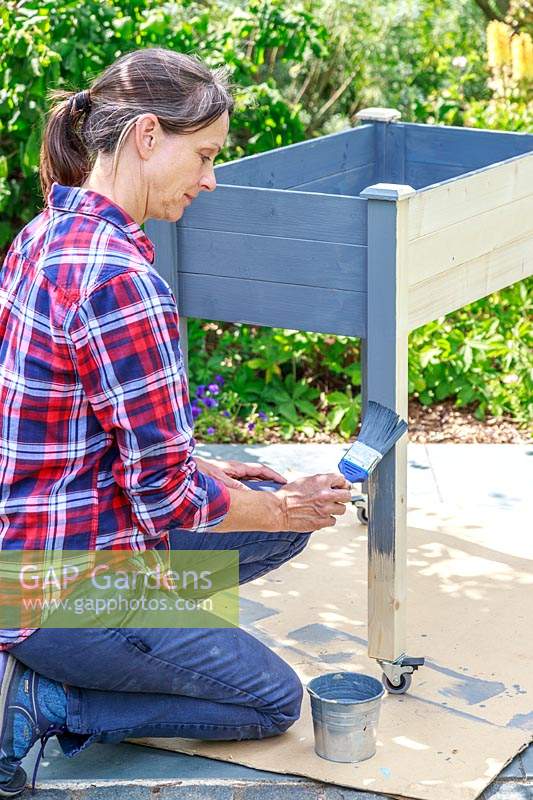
198	683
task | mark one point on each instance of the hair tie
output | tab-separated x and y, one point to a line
82	100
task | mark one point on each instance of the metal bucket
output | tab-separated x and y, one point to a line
345	708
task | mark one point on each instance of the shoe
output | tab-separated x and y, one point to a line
16	785
19	703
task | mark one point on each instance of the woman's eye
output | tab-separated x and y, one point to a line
206	158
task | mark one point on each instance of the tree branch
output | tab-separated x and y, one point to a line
490	12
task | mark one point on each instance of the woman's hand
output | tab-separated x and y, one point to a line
231	473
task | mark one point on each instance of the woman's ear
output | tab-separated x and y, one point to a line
146	133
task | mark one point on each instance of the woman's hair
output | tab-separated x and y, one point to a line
179	89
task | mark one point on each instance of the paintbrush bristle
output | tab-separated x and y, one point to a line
381	427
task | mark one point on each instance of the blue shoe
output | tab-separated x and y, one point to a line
23	721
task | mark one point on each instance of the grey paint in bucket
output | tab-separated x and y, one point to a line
345	708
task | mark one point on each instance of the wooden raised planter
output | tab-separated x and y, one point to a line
370	233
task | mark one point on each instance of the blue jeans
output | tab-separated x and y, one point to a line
198	683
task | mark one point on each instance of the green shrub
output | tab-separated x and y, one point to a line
303	69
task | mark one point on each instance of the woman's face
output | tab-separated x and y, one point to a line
179	167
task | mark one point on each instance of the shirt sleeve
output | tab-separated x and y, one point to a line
125	338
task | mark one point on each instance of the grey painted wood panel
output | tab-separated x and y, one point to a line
470	147
302	162
163	236
396	162
269	258
273	304
350	182
274	212
419	174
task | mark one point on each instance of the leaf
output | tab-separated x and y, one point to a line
306	407
335	416
466	395
443	390
338	398
354	373
349	422
288	411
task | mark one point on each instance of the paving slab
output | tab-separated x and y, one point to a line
494	478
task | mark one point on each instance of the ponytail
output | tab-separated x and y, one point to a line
64	157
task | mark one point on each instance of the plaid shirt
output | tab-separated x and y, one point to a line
97	431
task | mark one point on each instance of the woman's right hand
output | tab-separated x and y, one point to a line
314	502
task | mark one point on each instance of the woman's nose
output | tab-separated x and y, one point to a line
209	182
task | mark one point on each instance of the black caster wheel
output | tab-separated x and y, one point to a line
402	687
362	516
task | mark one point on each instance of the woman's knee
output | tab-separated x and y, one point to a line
287	707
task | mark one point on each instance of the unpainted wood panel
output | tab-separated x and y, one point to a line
468	197
445	249
350	182
302	162
387	383
273	212
270	258
276	305
470	281
442	144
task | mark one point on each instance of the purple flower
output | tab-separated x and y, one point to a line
251	426
226	414
210	402
210	431
262	415
200	390
219	379
213	388
196	412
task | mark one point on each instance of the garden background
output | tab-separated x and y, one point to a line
304	69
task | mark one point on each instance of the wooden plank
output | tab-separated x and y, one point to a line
464	241
446	144
470	281
268	258
386	381
277	305
420	175
350	182
274	212
164	237
304	161
466	197
396	171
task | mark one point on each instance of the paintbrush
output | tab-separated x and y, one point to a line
380	431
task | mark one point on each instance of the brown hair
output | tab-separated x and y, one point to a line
179	89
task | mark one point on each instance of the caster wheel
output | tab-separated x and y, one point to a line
362	515
402	687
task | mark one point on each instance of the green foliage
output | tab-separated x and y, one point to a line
482	355
302	68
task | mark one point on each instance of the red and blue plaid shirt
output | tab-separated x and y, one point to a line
96	445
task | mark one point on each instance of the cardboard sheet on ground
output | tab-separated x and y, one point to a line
469	709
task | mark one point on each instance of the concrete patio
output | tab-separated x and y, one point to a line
492	480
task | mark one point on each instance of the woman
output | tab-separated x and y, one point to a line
97	436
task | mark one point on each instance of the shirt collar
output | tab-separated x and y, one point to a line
86	201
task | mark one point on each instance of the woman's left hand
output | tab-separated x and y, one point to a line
231	473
